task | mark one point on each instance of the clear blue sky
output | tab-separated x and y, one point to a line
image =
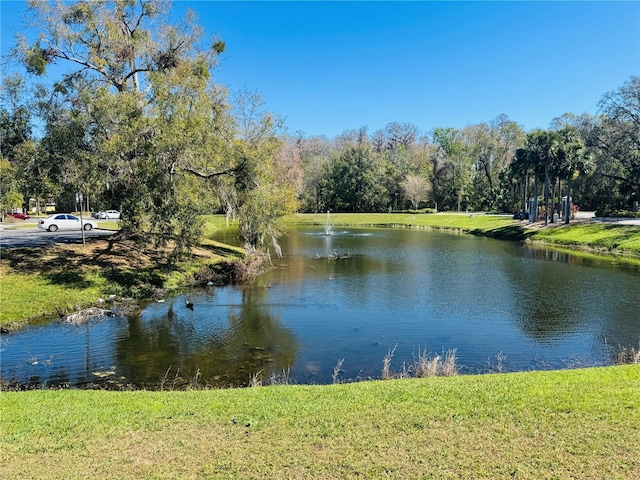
332	66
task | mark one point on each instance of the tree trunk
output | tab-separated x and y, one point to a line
524	196
546	195
568	216
559	204
553	199
533	216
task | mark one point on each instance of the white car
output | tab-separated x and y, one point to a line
115	214
65	221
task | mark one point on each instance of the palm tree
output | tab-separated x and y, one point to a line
520	169
574	160
542	149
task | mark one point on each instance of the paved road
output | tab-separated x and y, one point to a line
11	237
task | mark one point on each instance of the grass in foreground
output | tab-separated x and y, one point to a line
535	425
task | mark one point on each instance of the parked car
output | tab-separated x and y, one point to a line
108	214
65	221
20	215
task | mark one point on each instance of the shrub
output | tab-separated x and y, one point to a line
617	213
413	212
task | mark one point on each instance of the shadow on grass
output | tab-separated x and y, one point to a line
508	232
119	266
619	234
74	267
135	281
222	250
69	280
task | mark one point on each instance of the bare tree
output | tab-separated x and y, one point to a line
416	189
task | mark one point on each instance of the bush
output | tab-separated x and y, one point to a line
617	213
422	210
230	272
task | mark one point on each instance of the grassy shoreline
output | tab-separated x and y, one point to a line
533	425
604	239
38	283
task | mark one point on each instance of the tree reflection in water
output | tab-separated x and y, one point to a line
180	347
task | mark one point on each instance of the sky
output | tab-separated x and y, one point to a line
327	67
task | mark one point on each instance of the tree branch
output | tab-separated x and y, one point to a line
617	177
207	176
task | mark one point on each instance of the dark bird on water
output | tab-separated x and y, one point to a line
189	305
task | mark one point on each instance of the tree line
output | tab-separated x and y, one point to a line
593	160
136	122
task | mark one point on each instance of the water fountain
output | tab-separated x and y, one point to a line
328	226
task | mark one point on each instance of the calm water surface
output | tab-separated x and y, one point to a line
412	291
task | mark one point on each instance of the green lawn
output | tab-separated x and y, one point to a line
604	237
535	425
32	295
453	221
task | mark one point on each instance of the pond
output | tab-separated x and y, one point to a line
355	295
